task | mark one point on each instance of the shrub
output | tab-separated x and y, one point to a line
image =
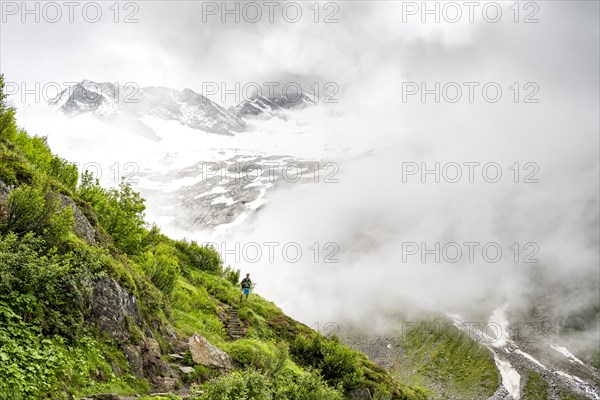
294	384
36	209
8	127
239	385
161	266
46	290
339	366
204	258
232	275
37	151
263	356
120	211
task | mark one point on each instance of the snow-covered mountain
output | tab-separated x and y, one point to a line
131	103
272	106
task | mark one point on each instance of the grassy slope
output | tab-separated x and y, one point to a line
446	363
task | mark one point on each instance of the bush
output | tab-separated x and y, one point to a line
204	258
265	357
338	365
161	266
8	127
232	275
239	385
293	384
36	209
37	151
46	290
120	211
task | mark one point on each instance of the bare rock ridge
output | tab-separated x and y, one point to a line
127	104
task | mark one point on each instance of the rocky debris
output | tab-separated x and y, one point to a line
82	226
186	370
500	394
176	357
209	355
111	307
179	346
234	326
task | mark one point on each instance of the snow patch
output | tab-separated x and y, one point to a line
511	380
563	350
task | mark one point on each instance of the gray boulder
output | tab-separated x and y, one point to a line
206	354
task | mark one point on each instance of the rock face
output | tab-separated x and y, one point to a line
113	310
111	306
82	226
206	354
4	190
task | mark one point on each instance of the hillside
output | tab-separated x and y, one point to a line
93	301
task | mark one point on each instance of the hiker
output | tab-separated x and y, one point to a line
246	284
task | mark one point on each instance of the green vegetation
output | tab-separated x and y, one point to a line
535	387
446	362
49	348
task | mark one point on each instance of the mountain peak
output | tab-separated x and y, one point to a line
186	106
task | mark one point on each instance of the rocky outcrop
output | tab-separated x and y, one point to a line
112	309
4	190
115	311
208	355
82	226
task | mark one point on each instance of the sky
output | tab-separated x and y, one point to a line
378	54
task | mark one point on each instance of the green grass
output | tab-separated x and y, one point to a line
536	387
446	362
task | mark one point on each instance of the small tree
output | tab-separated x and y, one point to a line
120	211
8	127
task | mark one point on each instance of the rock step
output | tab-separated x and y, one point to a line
235	329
